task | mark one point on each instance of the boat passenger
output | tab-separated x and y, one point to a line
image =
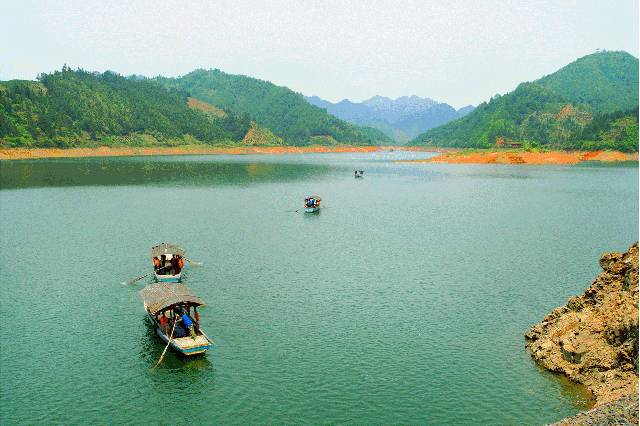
196	316
180	264
163	323
174	265
178	329
156	263
163	261
188	323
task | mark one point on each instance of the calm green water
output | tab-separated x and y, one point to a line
404	301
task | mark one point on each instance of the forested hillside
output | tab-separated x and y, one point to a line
283	111
79	108
75	108
606	81
589	104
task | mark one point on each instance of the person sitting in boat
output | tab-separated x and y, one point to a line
156	263
180	264
188	323
163	323
196	317
178	329
174	265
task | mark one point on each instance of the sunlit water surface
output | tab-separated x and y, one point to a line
404	300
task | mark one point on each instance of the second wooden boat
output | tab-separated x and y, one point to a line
168	261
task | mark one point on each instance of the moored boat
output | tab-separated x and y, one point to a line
358	173
312	204
168	261
173	311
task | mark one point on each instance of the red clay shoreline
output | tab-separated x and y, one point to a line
445	156
524	157
104	151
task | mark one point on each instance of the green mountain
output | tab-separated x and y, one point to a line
79	108
589	104
607	81
70	108
286	113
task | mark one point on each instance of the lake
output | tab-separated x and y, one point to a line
404	300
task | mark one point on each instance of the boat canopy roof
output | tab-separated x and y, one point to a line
165	248
160	296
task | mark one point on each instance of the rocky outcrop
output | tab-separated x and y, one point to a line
594	338
623	411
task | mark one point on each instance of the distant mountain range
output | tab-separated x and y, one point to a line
402	119
592	103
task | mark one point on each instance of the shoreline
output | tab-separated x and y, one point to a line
445	155
105	151
524	157
592	340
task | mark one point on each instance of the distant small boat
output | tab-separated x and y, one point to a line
358	173
168	261
312	204
172	309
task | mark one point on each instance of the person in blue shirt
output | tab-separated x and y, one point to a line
188	323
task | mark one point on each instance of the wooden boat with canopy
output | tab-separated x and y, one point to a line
312	204
168	261
173	311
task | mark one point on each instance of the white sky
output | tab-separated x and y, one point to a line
460	52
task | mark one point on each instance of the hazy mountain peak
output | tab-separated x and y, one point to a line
466	110
403	101
401	118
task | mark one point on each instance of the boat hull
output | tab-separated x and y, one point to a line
311	209
186	346
168	278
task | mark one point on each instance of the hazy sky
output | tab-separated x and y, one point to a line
459	52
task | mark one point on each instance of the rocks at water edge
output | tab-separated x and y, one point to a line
594	338
623	411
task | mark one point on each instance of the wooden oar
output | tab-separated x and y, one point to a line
175	321
144	276
192	262
138	279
